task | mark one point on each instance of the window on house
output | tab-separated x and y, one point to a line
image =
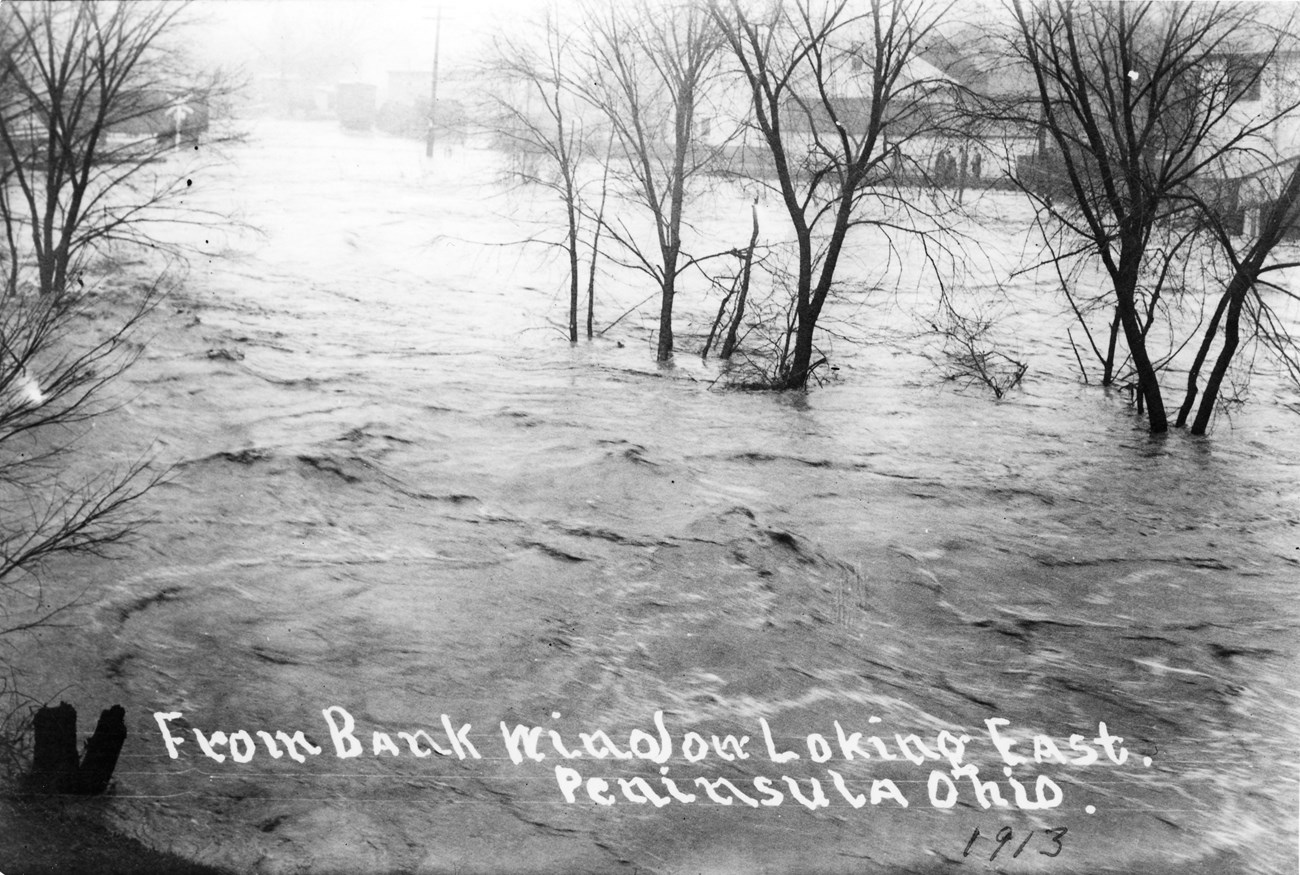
1244	74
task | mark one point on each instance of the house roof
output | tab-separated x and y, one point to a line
967	57
917	69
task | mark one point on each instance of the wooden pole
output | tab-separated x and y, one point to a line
433	93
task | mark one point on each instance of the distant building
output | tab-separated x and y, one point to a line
290	97
931	133
1264	89
409	87
982	77
404	110
354	103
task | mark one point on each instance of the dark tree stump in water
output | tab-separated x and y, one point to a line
102	751
55	768
54	761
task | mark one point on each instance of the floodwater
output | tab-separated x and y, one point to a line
400	492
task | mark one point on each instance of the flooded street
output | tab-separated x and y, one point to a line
400	493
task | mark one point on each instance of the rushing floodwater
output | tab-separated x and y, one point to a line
400	492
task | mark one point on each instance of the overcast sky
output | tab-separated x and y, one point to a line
352	40
332	41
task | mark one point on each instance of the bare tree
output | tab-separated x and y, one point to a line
836	98
1137	101
737	295
595	238
52	380
1249	260
550	143
647	70
93	98
968	353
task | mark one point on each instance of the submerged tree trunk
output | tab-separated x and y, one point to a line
1108	366
54	758
717	321
574	280
595	240
729	345
1235	296
1148	383
1272	226
793	372
810	299
664	351
591	287
55	766
1194	372
800	366
102	751
1231	337
685	103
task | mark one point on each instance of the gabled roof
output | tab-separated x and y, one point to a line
968	57
917	69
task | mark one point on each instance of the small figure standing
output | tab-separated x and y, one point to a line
943	166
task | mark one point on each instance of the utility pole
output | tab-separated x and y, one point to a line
433	94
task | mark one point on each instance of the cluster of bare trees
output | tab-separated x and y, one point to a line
629	80
829	100
1146	109
1150	140
92	107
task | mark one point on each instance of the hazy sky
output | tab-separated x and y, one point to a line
332	41
352	40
